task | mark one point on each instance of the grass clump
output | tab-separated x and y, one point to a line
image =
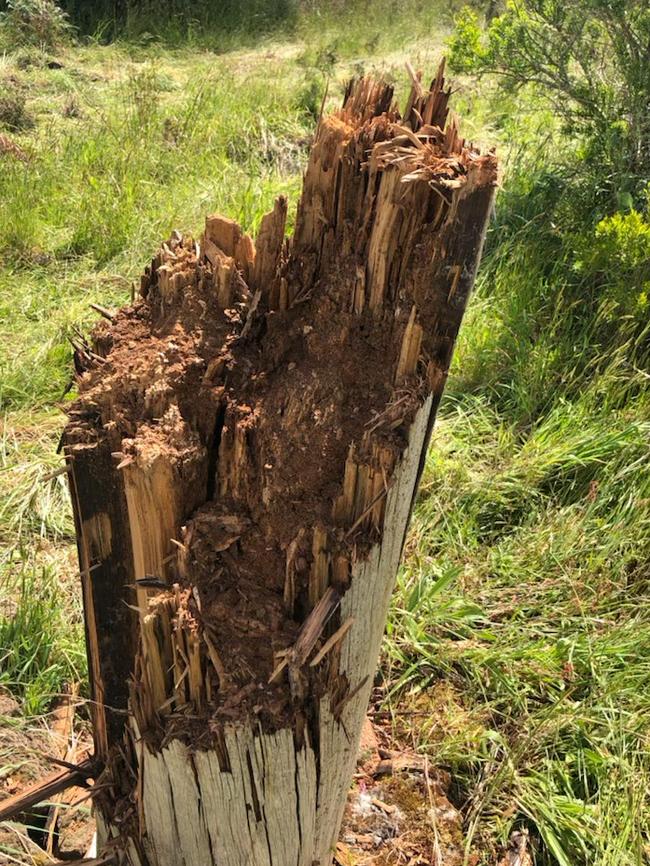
14	114
41	634
539	540
41	626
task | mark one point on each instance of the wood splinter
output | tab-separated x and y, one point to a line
56	473
103	311
47	788
331	642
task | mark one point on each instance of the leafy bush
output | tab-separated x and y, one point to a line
588	58
35	22
618	258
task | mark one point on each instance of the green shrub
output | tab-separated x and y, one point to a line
35	22
588	60
618	258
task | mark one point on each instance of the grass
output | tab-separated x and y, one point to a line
525	591
41	647
521	626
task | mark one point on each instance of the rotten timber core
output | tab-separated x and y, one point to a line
243	455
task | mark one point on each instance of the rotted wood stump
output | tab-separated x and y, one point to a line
244	455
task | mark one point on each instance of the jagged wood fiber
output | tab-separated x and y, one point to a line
243	460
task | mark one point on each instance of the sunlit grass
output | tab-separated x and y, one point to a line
41	633
526	588
540	624
520	630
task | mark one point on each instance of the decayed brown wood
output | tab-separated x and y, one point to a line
244	458
62	729
46	788
105	556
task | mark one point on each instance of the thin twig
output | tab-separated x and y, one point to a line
332	641
62	470
103	311
365	513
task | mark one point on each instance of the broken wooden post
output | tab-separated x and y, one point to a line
244	455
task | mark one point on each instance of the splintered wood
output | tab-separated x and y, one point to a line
243	457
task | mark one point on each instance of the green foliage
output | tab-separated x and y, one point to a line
34	22
558	303
41	645
32	503
588	59
618	259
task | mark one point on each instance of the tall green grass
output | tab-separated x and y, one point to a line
151	153
41	626
41	633
526	586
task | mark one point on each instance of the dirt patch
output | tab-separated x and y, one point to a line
24	751
398	809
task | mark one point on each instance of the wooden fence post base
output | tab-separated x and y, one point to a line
244	456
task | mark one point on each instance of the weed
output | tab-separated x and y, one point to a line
14	114
34	22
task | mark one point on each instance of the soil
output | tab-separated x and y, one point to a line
23	754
